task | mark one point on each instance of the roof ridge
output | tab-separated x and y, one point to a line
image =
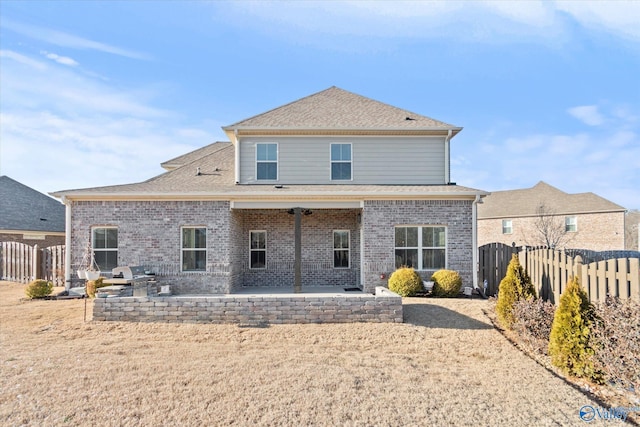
279	107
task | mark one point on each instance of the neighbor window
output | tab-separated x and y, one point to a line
507	226
571	223
422	248
267	162
258	249
340	162
105	247
194	249
341	249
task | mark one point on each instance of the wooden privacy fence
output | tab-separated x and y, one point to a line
550	271
23	263
493	259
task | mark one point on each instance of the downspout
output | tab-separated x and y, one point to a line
474	238
67	243
447	160
237	156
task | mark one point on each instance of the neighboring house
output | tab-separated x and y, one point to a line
583	221
28	216
367	184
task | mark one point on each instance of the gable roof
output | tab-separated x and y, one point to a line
525	202
336	109
217	181
193	155
25	209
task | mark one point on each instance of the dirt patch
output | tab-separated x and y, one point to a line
446	365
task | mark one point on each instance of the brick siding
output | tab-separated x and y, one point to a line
379	218
597	232
385	306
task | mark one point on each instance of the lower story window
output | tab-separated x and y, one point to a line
341	249
194	249
258	249
421	247
104	242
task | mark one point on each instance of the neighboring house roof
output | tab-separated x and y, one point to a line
194	155
526	202
25	209
336	109
217	180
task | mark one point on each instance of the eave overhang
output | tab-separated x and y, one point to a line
233	133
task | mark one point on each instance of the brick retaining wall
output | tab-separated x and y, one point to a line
384	306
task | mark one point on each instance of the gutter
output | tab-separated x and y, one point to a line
474	238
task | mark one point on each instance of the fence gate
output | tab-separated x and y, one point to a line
493	260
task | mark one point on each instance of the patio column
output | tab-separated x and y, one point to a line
297	262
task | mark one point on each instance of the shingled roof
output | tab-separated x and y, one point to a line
338	109
525	202
25	209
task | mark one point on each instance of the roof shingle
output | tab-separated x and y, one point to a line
525	202
336	108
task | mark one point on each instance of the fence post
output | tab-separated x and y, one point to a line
37	259
577	272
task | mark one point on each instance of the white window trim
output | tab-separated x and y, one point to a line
183	249
266	247
510	221
277	161
568	222
420	248
93	243
331	161
348	249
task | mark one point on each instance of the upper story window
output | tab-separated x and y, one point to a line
258	249
194	249
341	249
104	241
423	248
571	223
341	162
267	161
507	226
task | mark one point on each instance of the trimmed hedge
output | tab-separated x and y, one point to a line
38	289
405	282
446	283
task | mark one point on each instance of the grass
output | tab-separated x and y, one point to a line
445	365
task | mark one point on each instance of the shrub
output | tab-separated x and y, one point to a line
446	283
405	282
533	320
38	289
616	343
570	343
94	285
515	286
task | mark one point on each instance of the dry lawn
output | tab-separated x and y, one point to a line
444	366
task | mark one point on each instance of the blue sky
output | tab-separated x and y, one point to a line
99	93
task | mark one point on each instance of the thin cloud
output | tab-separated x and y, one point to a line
25	60
588	114
479	21
67	40
64	60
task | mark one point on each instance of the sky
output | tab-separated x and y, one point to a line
97	93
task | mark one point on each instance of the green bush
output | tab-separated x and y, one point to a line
515	286
405	282
446	283
570	340
38	288
94	285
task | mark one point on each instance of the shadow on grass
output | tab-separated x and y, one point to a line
434	316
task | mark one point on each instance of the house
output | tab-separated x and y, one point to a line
333	189
28	216
578	221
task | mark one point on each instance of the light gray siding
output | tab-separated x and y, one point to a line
375	160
